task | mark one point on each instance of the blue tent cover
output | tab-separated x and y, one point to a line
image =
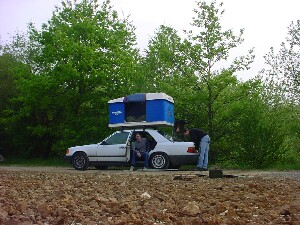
135	98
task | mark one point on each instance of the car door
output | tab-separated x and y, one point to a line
115	148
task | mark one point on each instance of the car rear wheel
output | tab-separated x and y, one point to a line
159	160
80	161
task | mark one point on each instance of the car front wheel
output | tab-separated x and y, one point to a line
80	161
159	160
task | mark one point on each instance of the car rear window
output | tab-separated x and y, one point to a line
167	136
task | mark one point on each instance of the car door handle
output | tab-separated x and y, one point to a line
122	147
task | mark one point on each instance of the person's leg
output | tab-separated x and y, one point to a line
206	140
133	159
145	155
201	156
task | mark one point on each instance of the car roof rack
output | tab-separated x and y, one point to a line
143	127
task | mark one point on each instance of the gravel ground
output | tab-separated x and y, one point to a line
62	195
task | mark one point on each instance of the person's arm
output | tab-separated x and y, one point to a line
134	149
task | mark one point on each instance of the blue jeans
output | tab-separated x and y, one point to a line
144	155
204	148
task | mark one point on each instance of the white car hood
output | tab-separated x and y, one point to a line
86	147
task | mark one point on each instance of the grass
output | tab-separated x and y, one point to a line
59	162
295	166
34	162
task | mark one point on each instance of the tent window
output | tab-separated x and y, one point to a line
135	111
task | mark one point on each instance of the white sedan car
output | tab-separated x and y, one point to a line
115	150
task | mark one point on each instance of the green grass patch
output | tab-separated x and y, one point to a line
59	162
295	166
34	162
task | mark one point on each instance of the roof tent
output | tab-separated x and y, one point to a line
141	109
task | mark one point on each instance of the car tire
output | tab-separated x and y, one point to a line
80	161
159	160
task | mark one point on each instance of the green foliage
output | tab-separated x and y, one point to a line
11	72
281	92
282	73
7	77
55	84
81	58
186	70
57	162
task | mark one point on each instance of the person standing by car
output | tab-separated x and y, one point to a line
201	140
139	149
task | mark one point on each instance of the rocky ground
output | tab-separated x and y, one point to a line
61	196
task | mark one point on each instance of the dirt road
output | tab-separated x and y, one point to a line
62	195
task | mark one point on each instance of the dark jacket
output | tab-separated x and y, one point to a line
140	146
196	135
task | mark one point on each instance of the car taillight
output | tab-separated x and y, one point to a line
67	152
192	150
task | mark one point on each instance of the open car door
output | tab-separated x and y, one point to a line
115	148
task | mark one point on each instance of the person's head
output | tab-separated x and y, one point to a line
138	137
186	132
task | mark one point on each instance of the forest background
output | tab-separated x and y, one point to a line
55	84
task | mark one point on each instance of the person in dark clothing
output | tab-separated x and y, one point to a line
201	140
139	149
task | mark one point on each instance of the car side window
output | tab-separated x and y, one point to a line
117	138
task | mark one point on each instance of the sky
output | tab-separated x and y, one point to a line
265	21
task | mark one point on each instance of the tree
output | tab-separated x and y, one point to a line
7	77
187	69
81	58
283	74
281	92
165	70
210	45
11	72
163	61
